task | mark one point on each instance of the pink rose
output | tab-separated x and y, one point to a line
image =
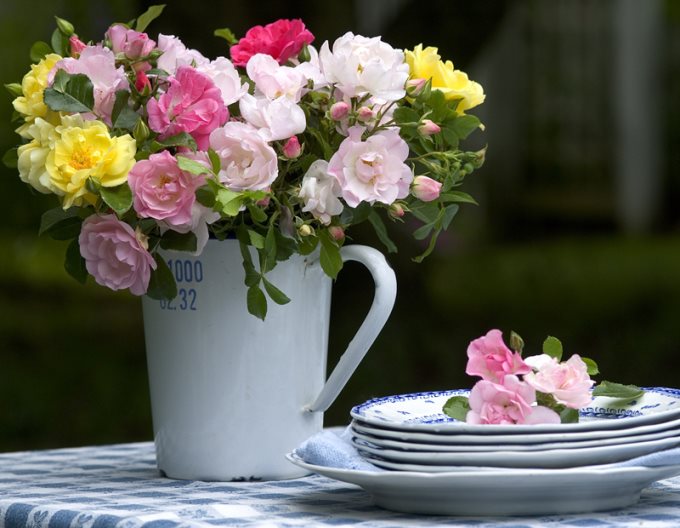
76	45
248	162
114	255
489	358
192	104
162	191
568	381
511	402
282	40
292	148
129	42
372	170
99	64
425	188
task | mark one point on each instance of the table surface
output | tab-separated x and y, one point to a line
119	486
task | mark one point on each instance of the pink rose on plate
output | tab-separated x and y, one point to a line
192	104
492	360
247	161
162	190
568	381
511	402
372	170
282	40
115	255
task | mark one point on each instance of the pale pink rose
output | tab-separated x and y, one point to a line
492	360
282	40
176	54
372	170
292	148
568	381
274	81
511	402
320	192
248	162
425	188
192	104
277	119
131	43
359	65
162	191
99	64
223	73
114	255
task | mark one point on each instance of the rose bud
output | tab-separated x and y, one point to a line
339	110
337	232
292	148
365	113
425	188
428	127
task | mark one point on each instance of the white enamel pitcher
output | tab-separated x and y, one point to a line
231	394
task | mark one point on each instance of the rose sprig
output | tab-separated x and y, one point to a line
533	390
149	146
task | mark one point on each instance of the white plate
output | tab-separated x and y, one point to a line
550	458
495	439
378	442
423	412
501	492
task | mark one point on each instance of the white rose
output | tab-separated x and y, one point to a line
176	54
273	80
277	119
320	192
360	65
32	157
247	160
223	73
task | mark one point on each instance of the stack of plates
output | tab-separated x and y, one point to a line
410	433
437	465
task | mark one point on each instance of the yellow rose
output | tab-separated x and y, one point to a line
84	149
455	84
33	156
33	85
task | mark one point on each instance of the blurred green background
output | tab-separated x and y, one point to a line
575	235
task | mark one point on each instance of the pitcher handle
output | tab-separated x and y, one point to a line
383	301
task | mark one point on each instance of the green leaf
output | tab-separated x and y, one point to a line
148	16
457	408
227	35
39	50
381	231
14	89
60	43
457	196
591	366
285	247
274	293
329	258
70	93
118	198
307	245
553	348
61	224
618	391
568	415
354	216
464	125
162	285
123	116
270	251
426	212
256	239
404	114
189	165
183	139
423	231
257	302
449	214
429	249
205	195
450	136
179	241
10	159
74	263
215	161
230	201
257	213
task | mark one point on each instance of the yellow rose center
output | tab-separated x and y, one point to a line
83	157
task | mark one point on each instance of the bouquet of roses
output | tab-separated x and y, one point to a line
149	145
533	390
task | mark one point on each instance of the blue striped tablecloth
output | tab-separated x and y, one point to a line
119	486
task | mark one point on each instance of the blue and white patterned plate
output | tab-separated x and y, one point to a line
423	412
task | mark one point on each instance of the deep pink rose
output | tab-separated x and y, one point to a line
511	402
568	382
162	191
489	358
282	40
114	255
76	46
192	104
